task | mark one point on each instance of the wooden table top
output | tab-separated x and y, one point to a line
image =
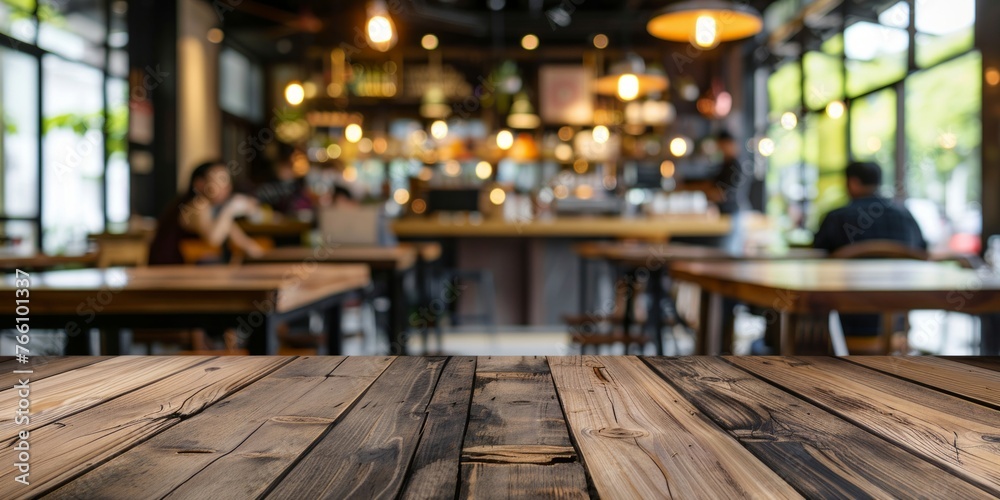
853	286
565	227
275	228
174	289
567	427
12	261
399	257
648	253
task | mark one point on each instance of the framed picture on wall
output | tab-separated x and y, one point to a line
566	96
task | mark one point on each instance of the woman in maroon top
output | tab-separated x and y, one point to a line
208	212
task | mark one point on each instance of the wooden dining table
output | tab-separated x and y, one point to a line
389	266
649	262
507	427
252	300
793	289
36	261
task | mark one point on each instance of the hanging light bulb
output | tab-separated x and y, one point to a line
706	30
353	133
505	139
380	29
601	134
628	87
439	129
629	79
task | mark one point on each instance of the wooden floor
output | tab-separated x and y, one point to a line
558	427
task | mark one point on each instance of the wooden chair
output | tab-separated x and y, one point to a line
876	249
879	249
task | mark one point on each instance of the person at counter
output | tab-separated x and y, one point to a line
207	212
729	189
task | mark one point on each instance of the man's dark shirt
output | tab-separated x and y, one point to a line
735	186
864	219
871	218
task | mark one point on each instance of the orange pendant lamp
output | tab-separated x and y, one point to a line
629	80
705	23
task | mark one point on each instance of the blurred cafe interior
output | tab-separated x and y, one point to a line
544	177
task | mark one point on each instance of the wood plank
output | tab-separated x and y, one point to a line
435	469
819	454
517	438
515	404
80	442
960	436
964	380
188	453
366	454
561	481
987	362
59	396
624	417
274	448
44	366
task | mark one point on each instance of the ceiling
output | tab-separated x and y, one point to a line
563	26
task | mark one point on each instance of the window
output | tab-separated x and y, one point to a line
73	154
63	137
17	20
940	112
945	28
19	149
75	29
785	88
824	79
873	133
876	56
943	136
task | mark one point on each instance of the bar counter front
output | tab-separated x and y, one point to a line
505	427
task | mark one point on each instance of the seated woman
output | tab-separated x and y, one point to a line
207	212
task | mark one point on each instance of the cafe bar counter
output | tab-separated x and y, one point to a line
507	427
545	281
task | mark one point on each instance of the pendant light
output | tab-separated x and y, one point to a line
522	113
705	23
380	30
629	80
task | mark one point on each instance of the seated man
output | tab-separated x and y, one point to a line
868	216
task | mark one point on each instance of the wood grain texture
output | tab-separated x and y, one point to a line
282	439
378	257
191	289
189	453
523	481
517	443
849	286
435	468
987	362
59	396
567	227
970	382
515	404
366	455
626	418
66	449
819	454
43	366
960	436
